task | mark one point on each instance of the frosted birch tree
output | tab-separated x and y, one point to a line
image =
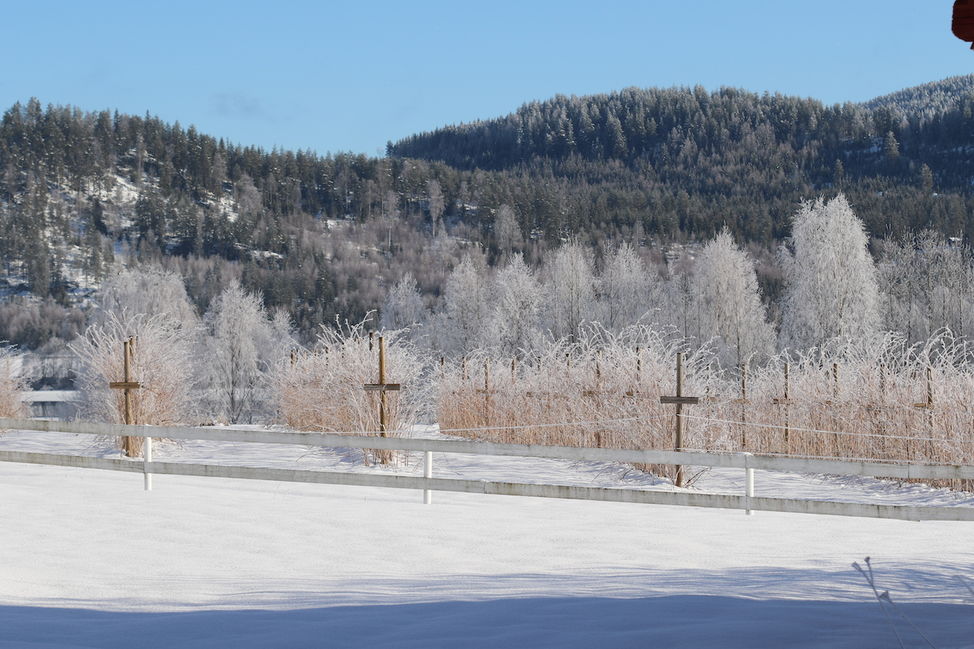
437	205
507	232
927	284
680	309
403	306
238	328
464	309
831	289
728	303
147	291
626	289
514	320
569	289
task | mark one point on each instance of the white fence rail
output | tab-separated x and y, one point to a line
743	461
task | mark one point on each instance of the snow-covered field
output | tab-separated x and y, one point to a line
87	559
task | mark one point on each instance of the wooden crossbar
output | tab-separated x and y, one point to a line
382	387
680	400
125	385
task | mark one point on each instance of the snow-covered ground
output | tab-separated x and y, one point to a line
87	559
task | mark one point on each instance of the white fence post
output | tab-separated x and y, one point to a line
146	459
748	484
427	473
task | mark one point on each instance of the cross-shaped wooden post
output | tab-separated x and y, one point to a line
680	401
486	391
127	385
381	387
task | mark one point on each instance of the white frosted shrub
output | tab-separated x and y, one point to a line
162	362
322	389
600	391
12	385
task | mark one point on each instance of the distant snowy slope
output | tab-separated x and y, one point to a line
929	99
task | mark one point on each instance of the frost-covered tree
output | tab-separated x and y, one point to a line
507	232
831	289
147	291
437	205
461	321
282	339
403	306
728	303
678	297
12	384
239	332
514	320
927	284
627	290
569	289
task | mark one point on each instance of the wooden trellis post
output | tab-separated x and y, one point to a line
680	400
486	391
928	406
382	387
127	385
634	390
785	401
835	402
743	402
598	383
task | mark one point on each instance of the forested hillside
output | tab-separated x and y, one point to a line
83	193
684	162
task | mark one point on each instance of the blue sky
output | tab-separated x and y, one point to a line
349	76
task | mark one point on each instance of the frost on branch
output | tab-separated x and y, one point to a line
831	289
162	363
728	304
243	345
322	388
11	385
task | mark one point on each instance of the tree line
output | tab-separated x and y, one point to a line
84	193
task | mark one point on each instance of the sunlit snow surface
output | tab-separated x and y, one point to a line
87	559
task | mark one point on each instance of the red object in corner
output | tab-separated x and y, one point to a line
963	22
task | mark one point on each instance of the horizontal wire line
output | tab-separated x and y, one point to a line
597	422
810	457
550	425
796	429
